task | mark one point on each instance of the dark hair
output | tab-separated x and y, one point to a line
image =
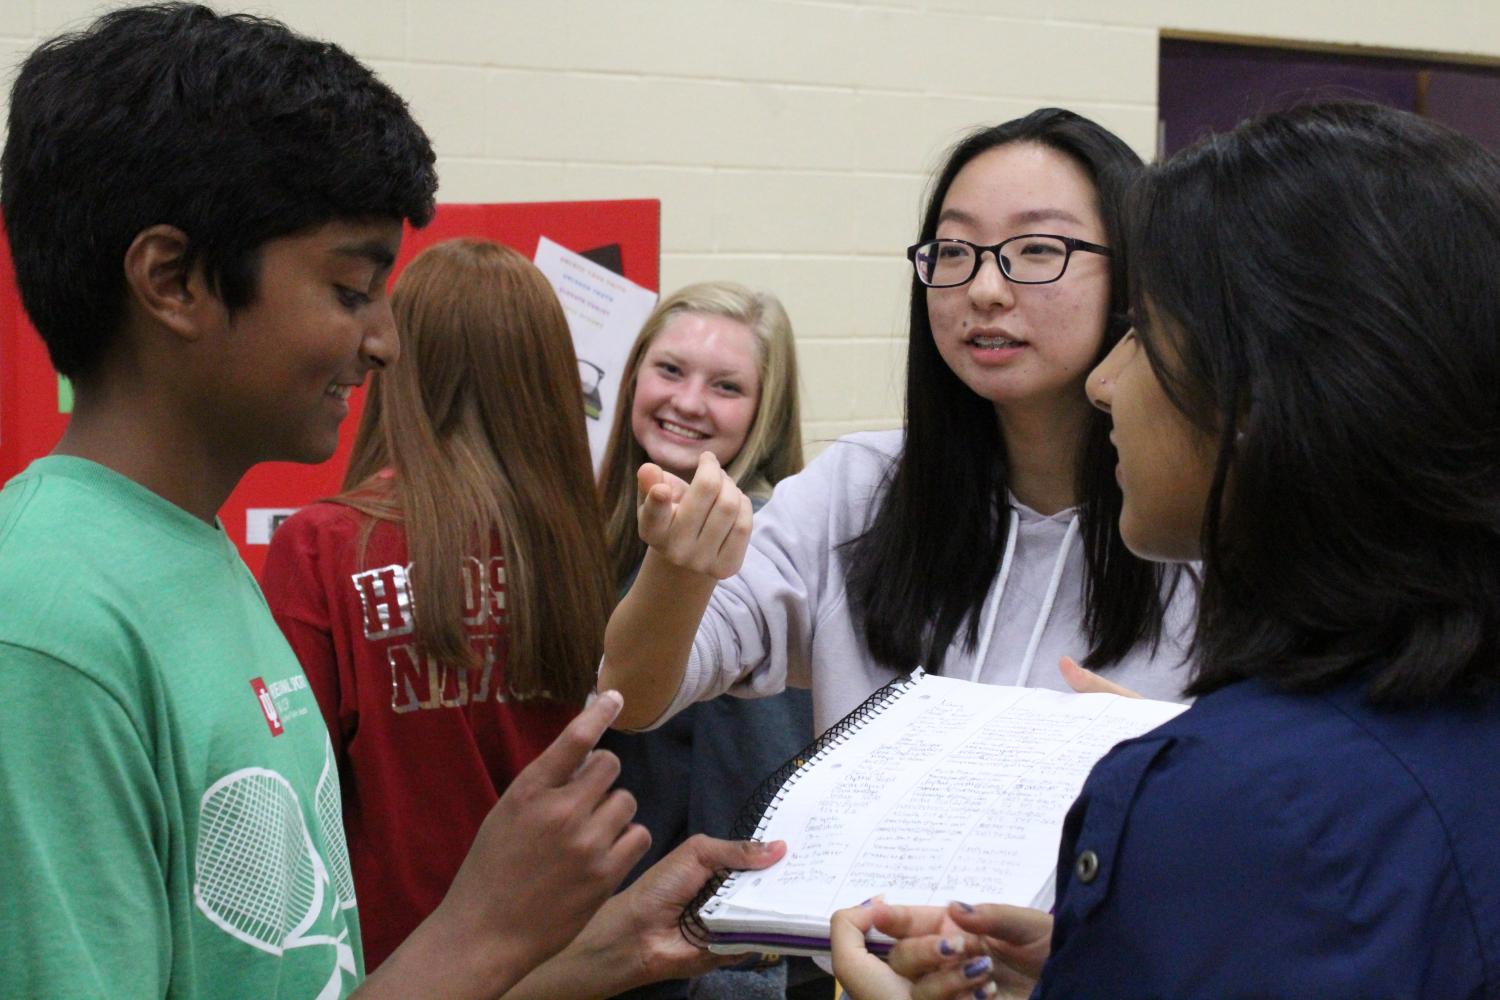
1327	287
923	567
231	128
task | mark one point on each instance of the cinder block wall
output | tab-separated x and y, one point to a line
789	140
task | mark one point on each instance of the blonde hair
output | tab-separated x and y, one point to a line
482	421
773	446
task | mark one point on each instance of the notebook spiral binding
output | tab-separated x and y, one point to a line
758	809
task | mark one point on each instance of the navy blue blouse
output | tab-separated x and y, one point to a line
1264	844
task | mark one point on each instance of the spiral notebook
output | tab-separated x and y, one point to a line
933	789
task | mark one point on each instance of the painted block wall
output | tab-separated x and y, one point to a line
789	140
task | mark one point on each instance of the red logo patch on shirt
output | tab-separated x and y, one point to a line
267	706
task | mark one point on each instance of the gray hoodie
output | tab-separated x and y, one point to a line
784	618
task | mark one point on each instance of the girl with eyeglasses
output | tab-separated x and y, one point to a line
1307	404
978	541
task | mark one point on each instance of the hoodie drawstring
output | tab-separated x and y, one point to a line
992	605
1046	612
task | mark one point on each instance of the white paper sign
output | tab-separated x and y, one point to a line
260	522
605	312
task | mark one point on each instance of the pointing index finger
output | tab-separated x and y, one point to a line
555	765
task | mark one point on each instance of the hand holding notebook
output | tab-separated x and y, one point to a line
934	789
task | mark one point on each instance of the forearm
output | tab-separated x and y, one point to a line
589	968
649	638
440	960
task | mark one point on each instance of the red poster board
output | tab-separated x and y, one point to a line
31	417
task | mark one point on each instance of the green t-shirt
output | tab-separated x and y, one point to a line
169	804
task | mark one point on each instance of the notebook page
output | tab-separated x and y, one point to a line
954	791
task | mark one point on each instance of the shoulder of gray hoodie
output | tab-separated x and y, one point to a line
784	619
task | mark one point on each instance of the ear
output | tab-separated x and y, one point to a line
163	286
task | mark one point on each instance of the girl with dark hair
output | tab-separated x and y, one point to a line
447	607
1308	404
978	541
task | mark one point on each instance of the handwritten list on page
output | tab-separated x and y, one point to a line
953	790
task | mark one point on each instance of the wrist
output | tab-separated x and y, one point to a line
445	956
658	571
595	965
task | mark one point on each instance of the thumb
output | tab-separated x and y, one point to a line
861	918
647	476
1016	925
650	475
743	855
654	516
1085	681
1019	937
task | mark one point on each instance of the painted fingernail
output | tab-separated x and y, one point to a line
945	947
963	906
868	902
978	967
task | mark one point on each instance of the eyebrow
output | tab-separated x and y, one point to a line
1020	218
676	359
374	251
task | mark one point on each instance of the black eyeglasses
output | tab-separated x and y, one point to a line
1028	259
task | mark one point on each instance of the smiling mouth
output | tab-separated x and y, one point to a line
681	431
993	342
341	392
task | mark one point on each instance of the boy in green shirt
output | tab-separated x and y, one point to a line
203	212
